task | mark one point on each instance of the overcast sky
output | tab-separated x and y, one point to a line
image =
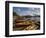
26	11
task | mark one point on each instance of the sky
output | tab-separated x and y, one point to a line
23	11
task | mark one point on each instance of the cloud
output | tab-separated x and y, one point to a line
27	11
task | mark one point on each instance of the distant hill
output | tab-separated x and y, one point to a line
28	16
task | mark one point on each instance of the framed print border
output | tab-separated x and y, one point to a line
7	18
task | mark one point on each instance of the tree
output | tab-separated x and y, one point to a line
15	14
